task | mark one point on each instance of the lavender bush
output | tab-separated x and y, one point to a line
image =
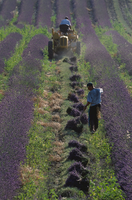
7	11
35	47
61	12
27	11
74	143
7	47
101	14
44	13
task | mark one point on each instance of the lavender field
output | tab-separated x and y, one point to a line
46	148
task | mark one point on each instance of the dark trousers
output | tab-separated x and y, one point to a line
94	112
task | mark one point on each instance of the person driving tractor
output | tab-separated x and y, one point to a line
65	25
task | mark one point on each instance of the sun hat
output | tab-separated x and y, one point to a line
89	84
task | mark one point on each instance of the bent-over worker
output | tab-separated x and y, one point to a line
94	100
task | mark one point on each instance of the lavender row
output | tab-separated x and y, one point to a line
35	47
124	49
16	113
44	13
101	13
15	119
27	11
63	10
7	12
7	47
116	102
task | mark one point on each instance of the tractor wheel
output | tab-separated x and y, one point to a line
50	50
78	49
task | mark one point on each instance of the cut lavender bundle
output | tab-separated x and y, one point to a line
75	77
84	119
75	83
80	92
74	180
77	155
74	143
73	68
77	166
73	97
73	124
78	106
73	112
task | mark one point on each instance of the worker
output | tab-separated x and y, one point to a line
94	100
65	25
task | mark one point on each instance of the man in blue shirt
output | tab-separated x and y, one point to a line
65	25
94	100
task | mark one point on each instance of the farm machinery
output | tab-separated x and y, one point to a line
63	41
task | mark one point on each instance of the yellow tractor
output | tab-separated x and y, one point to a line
63	41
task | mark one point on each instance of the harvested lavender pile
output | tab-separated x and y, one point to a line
84	119
75	83
80	92
74	180
74	143
74	125
73	112
78	106
73	97
77	155
73	68
79	168
75	77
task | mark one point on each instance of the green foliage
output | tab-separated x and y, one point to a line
121	30
53	20
106	40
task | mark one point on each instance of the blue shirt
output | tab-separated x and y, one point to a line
94	96
65	21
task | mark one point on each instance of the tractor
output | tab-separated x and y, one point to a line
67	40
